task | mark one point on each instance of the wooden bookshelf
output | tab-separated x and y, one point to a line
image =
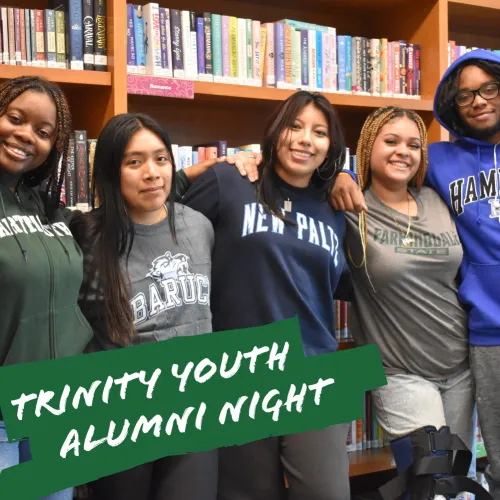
364	462
60	76
237	113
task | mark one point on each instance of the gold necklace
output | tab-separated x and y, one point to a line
160	218
406	240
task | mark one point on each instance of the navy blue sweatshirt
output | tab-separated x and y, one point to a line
264	270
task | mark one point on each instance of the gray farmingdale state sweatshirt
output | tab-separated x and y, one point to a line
413	315
169	283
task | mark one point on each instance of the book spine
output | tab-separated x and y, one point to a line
226	51
22	29
242	43
417	70
233	47
333	55
88	34
410	66
397	69
60	39
163	37
27	29
312	59
176	37
131	54
207	29
325	57
186	45
74	25
193	44
384	60
5	35
319	60
288	56
100	41
139	40
279	55
70	180
304	58
17	36
249	52
217	47
200	47
403	68
263	45
82	170
41	40
50	31
256	53
341	58
355	59
12	36
348	63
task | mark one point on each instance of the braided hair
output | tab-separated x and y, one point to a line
53	170
369	133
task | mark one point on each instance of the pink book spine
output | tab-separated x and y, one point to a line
226	52
390	68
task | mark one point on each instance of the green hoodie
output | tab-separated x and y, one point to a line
41	270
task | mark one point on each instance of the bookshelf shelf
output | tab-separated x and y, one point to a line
364	462
475	22
221	91
62	76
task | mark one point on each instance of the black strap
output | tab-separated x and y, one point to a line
451	486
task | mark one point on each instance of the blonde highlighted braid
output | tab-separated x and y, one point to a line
54	168
369	133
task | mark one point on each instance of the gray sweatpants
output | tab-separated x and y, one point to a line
316	465
485	368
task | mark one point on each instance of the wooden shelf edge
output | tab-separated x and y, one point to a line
370	461
227	91
66	76
487	4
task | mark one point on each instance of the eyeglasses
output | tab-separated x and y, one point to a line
487	91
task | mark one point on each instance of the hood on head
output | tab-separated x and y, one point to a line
481	54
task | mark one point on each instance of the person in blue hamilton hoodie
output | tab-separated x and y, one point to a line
465	173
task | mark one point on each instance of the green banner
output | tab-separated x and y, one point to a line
97	414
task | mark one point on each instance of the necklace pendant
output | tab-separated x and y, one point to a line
288	206
407	241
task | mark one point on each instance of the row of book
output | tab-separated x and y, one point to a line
455	51
76	193
70	34
284	54
365	433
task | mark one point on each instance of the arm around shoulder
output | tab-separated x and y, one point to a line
203	195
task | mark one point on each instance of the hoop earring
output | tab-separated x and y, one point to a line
334	170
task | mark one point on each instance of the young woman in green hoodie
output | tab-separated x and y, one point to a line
40	262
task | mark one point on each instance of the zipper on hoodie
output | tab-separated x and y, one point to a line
52	340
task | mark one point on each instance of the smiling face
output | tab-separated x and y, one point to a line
482	116
303	147
396	153
146	176
27	133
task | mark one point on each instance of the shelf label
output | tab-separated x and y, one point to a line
163	87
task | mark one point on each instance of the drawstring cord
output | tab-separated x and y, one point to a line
53	230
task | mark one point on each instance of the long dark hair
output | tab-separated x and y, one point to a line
283	118
446	108
109	226
53	171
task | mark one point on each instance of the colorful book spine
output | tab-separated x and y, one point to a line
131	53
100	41
217	47
139	40
279	55
88	34
200	47
226	50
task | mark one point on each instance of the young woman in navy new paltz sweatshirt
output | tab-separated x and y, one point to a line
278	254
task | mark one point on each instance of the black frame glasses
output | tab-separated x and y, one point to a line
487	91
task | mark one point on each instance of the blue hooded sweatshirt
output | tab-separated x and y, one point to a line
465	174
